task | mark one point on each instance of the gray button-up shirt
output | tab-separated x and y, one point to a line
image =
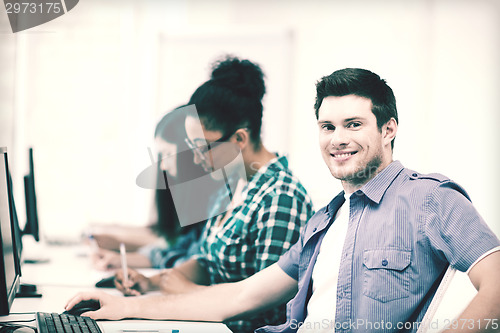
405	228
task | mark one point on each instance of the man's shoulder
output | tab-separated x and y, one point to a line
433	177
430	182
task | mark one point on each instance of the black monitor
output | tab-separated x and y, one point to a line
16	230
9	261
31	227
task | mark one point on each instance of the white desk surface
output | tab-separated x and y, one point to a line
67	272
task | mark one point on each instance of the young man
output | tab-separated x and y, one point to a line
371	259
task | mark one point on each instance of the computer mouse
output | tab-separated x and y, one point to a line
83	306
107	282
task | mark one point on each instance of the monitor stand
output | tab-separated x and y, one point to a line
27	290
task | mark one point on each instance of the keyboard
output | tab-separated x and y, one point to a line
65	323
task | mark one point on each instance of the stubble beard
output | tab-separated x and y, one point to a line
362	174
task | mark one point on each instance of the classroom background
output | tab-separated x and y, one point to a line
86	90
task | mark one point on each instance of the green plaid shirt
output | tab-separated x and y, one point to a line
274	209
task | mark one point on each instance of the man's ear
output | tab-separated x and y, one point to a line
389	131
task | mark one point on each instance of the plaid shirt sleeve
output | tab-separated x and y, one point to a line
281	216
268	222
280	219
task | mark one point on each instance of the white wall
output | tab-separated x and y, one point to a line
85	91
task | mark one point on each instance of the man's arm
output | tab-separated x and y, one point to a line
483	312
265	289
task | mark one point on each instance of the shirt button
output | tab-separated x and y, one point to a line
384	262
414	175
315	229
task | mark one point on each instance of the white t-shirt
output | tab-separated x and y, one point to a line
321	307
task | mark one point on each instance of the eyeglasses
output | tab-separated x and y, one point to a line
202	150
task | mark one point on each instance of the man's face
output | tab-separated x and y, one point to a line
352	146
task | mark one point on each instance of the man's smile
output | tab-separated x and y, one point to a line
343	155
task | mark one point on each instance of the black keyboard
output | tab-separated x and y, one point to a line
65	323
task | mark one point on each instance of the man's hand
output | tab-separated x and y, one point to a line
137	283
111	307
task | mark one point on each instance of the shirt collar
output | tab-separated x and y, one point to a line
267	171
270	169
335	204
376	187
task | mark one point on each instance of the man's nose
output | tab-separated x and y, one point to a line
340	138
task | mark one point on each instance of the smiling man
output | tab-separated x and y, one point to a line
370	261
350	140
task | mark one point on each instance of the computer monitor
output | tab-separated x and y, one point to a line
31	227
9	262
16	229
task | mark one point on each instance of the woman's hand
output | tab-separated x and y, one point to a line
174	282
105	260
137	283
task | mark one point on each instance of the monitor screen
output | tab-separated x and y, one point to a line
31	227
9	272
16	229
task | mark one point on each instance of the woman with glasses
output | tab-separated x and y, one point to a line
265	205
167	243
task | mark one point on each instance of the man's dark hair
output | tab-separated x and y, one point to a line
362	83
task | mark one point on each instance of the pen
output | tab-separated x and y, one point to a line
94	247
123	254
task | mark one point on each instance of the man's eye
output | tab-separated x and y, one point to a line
327	127
353	125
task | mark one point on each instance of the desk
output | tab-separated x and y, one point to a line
68	272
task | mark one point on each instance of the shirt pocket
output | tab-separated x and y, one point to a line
386	274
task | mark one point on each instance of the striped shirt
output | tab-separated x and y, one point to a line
404	229
274	209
